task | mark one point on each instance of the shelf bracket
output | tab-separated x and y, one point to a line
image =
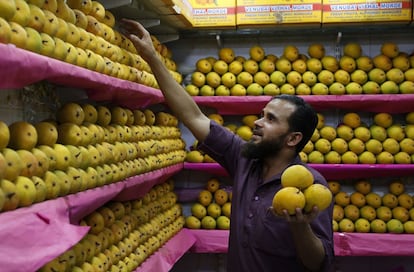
338	46
168	37
147	23
218	39
109	4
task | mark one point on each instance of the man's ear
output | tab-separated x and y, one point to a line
294	138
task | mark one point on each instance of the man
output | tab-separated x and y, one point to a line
259	239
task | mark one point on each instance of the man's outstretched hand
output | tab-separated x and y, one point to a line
139	36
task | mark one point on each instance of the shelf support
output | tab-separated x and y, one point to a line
168	37
147	23
338	46
218	39
109	4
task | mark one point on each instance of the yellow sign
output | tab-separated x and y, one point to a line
225	13
213	13
281	12
356	11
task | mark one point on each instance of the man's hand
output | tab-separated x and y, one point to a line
299	217
140	37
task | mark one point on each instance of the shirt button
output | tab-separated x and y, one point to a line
250	215
256	198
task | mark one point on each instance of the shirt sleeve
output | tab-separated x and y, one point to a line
223	146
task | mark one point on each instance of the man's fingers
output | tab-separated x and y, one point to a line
129	22
133	38
132	26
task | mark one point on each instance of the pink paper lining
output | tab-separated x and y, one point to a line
210	241
232	105
21	67
345	244
165	257
237	105
85	202
32	236
329	171
349	171
374	244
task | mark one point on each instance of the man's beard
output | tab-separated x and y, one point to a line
263	149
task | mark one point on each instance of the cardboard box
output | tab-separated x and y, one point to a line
361	11
213	13
184	8
267	12
209	13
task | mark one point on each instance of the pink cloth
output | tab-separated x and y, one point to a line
165	258
345	244
373	244
330	171
32	236
364	102
83	203
21	67
210	241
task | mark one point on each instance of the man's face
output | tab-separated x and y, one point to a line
271	130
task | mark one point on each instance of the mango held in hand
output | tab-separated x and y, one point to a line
300	191
317	195
288	198
297	176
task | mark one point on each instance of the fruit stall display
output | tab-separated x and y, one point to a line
96	152
75	44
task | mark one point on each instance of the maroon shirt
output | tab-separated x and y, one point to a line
260	241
